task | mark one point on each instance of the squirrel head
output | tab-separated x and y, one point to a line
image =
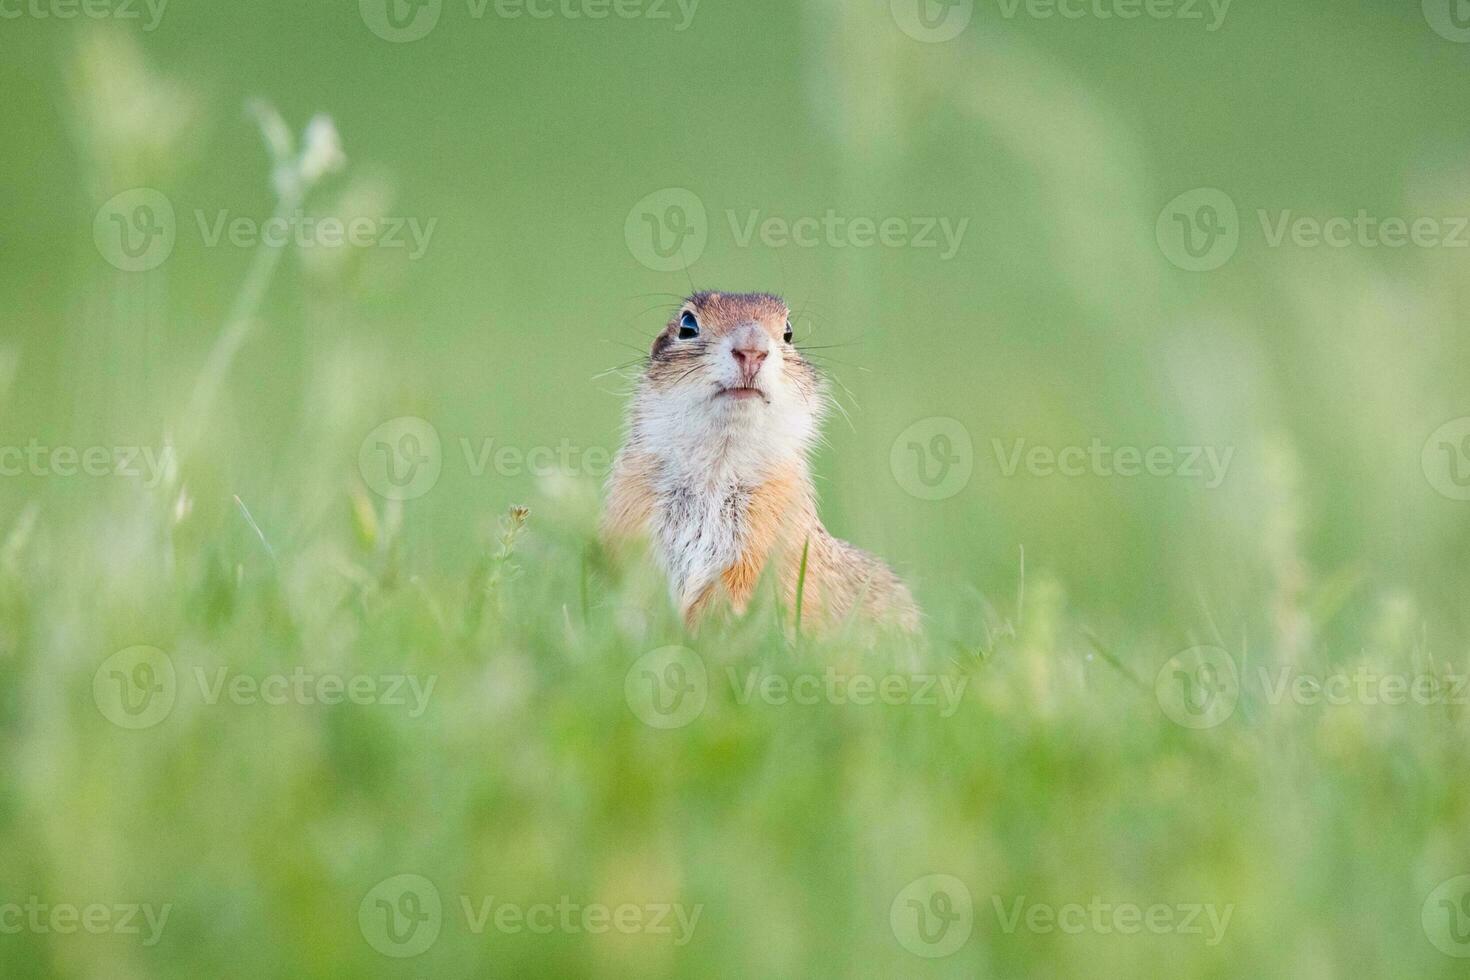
725	364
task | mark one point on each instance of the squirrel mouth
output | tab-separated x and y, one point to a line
741	393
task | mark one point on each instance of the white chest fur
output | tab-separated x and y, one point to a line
710	457
701	532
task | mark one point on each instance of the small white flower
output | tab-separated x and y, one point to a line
322	151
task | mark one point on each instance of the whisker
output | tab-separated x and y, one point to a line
674	296
614	370
821	359
845	416
637	321
847	391
687	373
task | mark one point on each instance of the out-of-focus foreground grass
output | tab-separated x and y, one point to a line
1129	765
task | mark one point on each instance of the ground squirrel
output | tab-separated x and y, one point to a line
714	470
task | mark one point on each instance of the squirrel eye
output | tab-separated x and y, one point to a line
788	335
688	326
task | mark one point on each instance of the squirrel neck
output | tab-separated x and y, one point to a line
721	449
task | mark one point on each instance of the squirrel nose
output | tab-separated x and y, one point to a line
749	359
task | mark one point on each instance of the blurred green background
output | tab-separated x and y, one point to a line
528	142
1063	318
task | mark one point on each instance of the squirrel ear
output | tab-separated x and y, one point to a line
660	342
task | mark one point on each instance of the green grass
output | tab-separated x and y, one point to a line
530	776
